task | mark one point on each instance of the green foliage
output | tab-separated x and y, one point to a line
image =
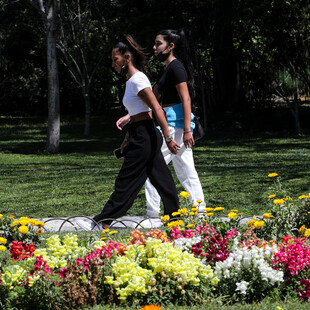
25	229
288	214
238	49
45	294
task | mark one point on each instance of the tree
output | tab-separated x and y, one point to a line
77	44
48	11
288	25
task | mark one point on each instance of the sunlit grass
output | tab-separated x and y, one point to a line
213	306
233	168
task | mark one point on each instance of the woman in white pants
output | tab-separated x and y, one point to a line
173	91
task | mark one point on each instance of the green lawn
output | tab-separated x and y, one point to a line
233	166
214	306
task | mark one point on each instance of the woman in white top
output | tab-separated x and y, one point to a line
143	141
173	90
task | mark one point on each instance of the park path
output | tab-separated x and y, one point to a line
69	223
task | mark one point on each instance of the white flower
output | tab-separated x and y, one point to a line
186	243
252	260
242	287
226	274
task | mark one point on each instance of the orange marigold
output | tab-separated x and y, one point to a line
151	307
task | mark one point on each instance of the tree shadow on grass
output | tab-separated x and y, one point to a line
28	136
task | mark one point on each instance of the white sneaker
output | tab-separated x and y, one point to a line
151	223
88	226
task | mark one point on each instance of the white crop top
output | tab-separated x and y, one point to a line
134	85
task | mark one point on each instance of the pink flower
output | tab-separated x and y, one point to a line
293	256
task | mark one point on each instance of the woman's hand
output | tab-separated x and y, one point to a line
188	139
122	122
173	147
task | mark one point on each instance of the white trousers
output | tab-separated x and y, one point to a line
185	170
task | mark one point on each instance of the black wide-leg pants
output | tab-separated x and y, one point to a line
143	160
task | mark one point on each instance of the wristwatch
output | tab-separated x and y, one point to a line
168	139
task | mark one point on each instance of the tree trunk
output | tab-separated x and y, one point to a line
225	62
87	114
53	134
294	108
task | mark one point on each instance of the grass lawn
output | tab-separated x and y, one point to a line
214	306
233	166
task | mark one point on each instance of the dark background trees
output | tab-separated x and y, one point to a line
250	56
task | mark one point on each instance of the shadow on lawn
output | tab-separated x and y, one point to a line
22	135
28	136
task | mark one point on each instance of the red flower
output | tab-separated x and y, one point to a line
20	251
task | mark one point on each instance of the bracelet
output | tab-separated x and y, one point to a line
168	139
187	131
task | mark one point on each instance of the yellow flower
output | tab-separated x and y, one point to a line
307	233
40	224
279	201
33	222
208	209
103	238
105	231
2	248
181	223
267	216
14	223
251	223
176	213
302	229
272	175
24	222
11	216
232	215
192	213
259	224
234	210
218	209
1	216
302	197
189	225
184	194
175	223
271	196
199	201
113	232
172	224
194	209
3	240
165	218
23	229
210	214
183	212
24	218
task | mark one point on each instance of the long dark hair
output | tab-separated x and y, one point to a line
139	54
181	52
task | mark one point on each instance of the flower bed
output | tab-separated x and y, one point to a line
193	259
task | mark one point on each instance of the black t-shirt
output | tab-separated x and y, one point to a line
175	73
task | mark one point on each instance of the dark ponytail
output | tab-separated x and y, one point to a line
128	44
181	52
